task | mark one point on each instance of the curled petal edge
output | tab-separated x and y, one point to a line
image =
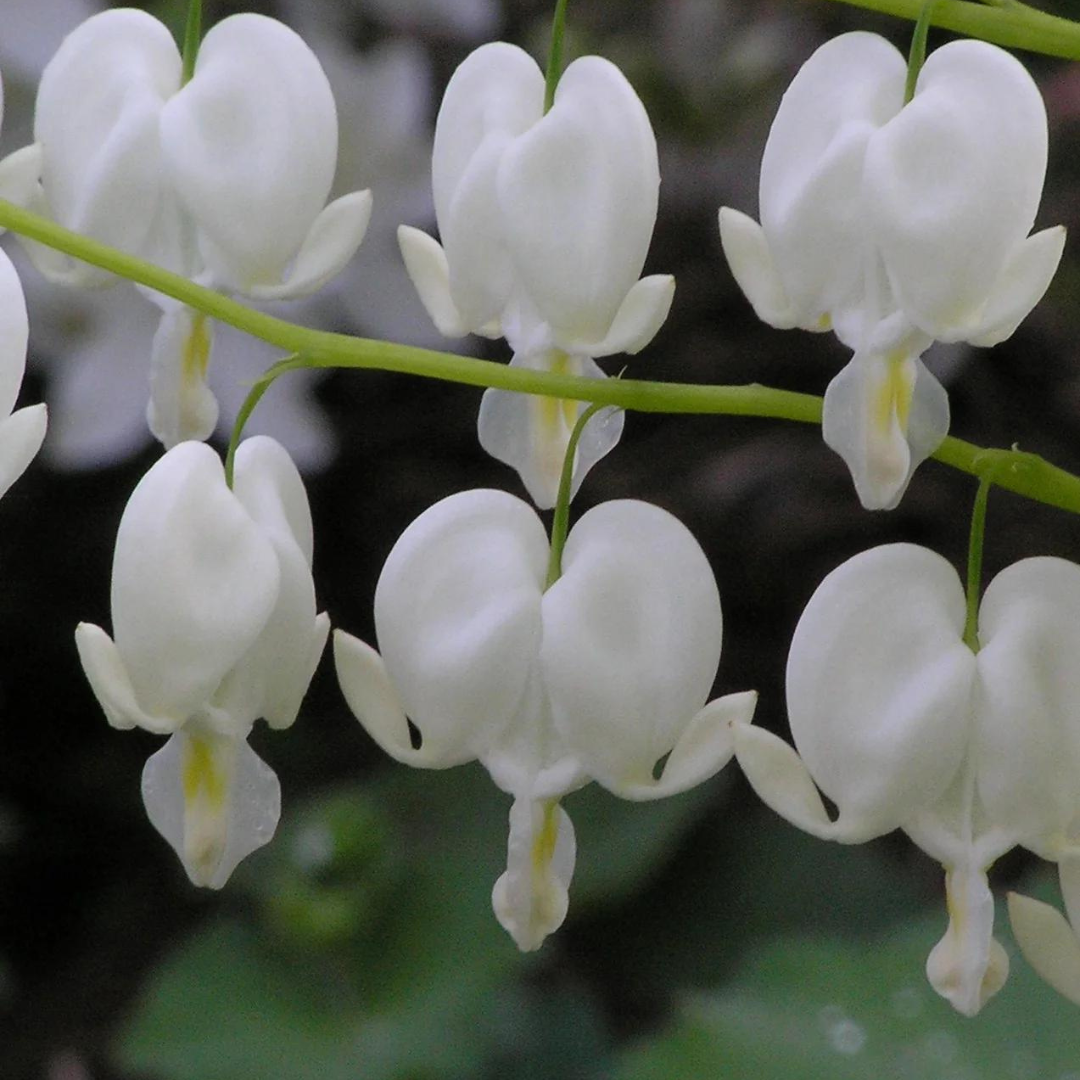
108	678
374	701
639	318
425	262
21	436
747	251
703	749
330	243
1048	943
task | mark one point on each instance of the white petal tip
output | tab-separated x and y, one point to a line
750	259
426	264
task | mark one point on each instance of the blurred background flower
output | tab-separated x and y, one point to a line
706	937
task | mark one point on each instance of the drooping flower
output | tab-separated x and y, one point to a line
214	625
895	225
545	222
902	725
21	430
223	179
598	677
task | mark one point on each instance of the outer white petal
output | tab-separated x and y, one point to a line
1019	287
746	248
1028	700
884	415
631	641
530	433
703	749
426	263
812	169
181	405
330	243
495	94
531	898
1048	942
21	436
968	966
457	612
96	119
578	195
20	173
213	799
270	680
194	582
639	318
879	684
954	181
251	146
14	334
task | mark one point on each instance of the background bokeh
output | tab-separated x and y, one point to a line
706	938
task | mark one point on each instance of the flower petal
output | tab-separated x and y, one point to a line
1048	942
19	174
457	612
21	436
578	196
879	684
426	263
181	405
530	433
639	318
531	898
631	639
750	259
213	799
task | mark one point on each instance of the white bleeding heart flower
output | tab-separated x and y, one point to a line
595	678
902	725
224	178
545	220
21	430
214	625
896	225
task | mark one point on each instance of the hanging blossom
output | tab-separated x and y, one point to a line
895	225
223	179
545	222
597	677
214	625
902	725
21	430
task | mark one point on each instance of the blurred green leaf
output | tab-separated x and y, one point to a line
829	1009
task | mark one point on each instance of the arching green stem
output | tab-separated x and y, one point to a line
192	39
974	566
917	55
560	524
1013	25
555	56
1028	474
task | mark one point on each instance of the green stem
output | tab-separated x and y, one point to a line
974	566
1026	474
192	39
555	56
1014	26
917	55
560	524
255	394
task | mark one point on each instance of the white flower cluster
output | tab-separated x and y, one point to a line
892	222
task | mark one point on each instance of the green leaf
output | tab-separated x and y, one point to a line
830	1009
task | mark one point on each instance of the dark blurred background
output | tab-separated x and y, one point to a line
706	938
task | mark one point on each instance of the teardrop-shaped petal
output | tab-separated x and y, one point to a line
879	684
96	119
631	641
330	243
457	612
812	208
194	582
968	966
1048	943
746	248
884	415
181	405
1028	701
703	749
639	318
953	182
531	898
530	432
213	799
21	436
1019	287
426	263
578	196
251	147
